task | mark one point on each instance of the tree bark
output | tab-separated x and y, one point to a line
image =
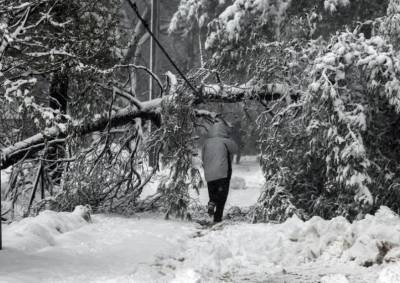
58	101
59	92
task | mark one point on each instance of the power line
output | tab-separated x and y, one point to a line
145	24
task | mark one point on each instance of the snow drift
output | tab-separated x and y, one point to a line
122	249
243	251
34	233
109	249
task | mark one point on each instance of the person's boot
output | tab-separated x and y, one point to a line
211	208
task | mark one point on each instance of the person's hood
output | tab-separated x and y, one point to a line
218	129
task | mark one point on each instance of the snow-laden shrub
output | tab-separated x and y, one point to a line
232	29
335	152
188	13
391	24
235	22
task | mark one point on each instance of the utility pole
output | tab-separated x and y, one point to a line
153	47
155	5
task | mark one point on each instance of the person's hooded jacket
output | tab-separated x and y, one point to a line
217	148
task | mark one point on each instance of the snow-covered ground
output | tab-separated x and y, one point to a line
64	247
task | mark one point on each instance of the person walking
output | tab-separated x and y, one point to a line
217	153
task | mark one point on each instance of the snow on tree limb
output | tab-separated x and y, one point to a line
28	147
248	91
149	110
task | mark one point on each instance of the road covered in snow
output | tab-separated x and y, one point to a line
63	247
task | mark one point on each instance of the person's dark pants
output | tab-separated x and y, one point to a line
218	191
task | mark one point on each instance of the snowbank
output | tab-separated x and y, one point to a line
110	249
148	249
34	233
258	249
390	274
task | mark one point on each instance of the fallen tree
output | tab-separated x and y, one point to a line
327	154
148	110
28	147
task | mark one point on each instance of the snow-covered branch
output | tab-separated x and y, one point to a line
28	147
248	91
148	110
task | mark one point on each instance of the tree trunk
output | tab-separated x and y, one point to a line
58	101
